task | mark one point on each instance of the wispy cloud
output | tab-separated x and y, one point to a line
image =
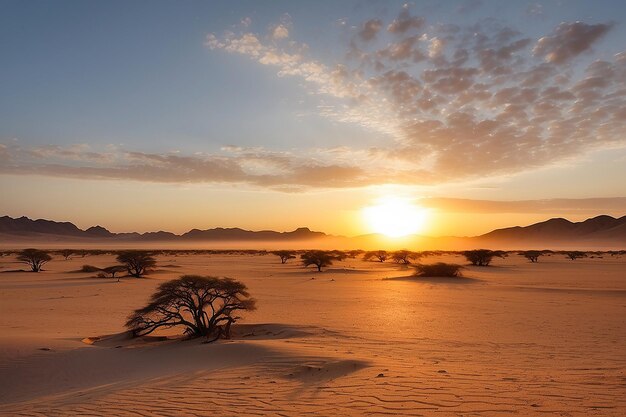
564	206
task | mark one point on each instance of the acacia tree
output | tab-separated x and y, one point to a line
354	253
284	255
205	306
112	270
34	258
576	254
319	258
531	255
67	253
136	262
482	257
403	257
380	255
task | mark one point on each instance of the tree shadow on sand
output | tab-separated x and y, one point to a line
437	280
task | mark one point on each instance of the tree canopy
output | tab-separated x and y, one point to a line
136	262
34	258
204	305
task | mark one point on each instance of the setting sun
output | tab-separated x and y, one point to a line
395	217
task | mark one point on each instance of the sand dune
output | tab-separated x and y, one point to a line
522	339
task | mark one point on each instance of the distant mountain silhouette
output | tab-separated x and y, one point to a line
24	226
600	227
553	232
236	233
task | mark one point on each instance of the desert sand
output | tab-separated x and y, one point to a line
359	339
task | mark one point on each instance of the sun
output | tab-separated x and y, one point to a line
395	217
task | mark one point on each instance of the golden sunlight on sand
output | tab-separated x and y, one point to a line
395	217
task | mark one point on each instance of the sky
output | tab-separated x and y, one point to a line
160	115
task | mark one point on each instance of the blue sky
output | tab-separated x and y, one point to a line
136	92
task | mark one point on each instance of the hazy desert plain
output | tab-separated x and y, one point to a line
360	338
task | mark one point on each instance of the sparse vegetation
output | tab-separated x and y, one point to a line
319	258
67	253
439	269
403	257
136	262
205	306
531	255
482	257
115	269
284	255
34	258
89	268
573	255
379	255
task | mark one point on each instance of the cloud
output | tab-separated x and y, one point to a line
280	32
370	29
569	40
253	166
586	206
405	22
449	103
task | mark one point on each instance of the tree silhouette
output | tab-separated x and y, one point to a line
67	253
319	258
284	255
403	257
531	255
136	262
482	257
380	255
205	306
112	270
34	258
573	255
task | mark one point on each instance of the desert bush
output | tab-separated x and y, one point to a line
352	254
284	255
338	255
403	257
136	262
89	268
439	269
319	258
115	269
67	253
482	257
573	255
379	255
34	258
205	306
531	255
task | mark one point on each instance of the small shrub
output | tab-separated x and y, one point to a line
439	269
482	257
89	268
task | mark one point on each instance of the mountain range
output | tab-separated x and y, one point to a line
558	232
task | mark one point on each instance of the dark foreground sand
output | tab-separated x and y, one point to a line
515	339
